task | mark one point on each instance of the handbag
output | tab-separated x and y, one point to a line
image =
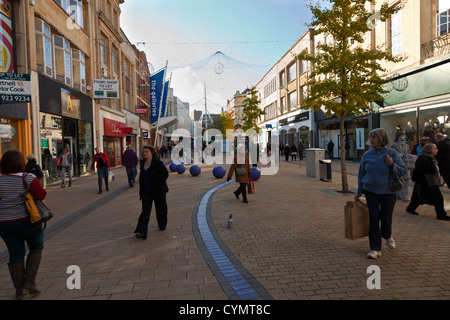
240	171
433	180
38	211
356	215
395	181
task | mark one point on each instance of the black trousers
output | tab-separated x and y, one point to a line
161	212
242	189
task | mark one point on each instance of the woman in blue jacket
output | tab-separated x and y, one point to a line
373	181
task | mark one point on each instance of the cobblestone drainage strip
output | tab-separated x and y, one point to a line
235	280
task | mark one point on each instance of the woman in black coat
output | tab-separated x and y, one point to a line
422	193
152	188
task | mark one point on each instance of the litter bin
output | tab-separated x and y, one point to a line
325	170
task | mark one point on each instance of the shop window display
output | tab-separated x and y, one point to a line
8	135
433	120
51	145
402	120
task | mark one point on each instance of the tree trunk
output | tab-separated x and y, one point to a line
343	163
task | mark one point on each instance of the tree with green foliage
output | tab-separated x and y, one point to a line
346	75
251	112
226	121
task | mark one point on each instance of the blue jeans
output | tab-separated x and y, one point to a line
381	207
131	173
65	170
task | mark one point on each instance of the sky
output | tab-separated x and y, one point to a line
213	48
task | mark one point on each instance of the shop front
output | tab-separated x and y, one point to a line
114	135
295	129
15	128
356	135
65	122
418	104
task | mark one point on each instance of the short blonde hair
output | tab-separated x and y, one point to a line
381	134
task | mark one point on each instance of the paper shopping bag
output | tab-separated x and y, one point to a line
356	220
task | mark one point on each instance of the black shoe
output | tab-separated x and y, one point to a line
63	186
245	201
236	195
70	184
443	217
99	191
142	236
412	212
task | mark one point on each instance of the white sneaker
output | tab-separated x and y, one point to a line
373	254
390	243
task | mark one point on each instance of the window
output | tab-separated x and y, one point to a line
304	92
283	105
74	8
292	72
292	100
396	33
103	50
43	47
304	66
443	18
62	59
79	70
270	111
270	87
115	61
282	82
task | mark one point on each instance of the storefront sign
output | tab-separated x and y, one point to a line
297	118
141	110
105	89
70	105
113	128
145	134
15	87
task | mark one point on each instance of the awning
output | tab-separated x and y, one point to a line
165	122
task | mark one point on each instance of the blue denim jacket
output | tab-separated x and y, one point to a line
374	173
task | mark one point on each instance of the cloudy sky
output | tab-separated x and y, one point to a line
223	46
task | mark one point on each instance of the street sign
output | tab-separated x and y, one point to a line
15	87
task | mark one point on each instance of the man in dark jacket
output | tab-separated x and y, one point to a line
443	157
130	161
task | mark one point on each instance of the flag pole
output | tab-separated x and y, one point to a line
159	109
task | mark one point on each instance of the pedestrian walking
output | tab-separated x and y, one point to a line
402	148
373	181
152	189
286	152
293	152
103	167
242	171
301	149
422	192
130	161
330	148
66	162
33	167
443	157
16	228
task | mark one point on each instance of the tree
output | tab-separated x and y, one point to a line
345	77
251	112
226	121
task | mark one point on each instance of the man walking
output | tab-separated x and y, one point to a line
130	161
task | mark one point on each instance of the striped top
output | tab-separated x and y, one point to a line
12	204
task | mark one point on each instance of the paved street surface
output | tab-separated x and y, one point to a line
287	243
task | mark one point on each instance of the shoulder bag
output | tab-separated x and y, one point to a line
38	211
395	181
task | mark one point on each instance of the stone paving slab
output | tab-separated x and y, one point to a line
289	237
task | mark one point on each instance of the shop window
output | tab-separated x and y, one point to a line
404	120
51	145
9	131
432	120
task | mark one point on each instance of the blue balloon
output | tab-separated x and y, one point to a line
256	173
195	170
219	172
173	166
181	168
